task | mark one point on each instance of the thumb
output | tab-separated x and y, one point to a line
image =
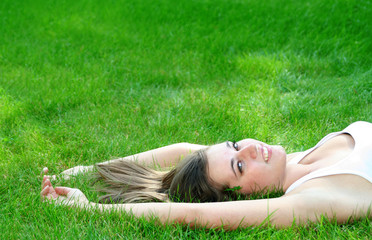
63	190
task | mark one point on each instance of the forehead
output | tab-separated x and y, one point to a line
217	148
228	145
217	152
219	168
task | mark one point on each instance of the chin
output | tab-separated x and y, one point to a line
284	152
280	155
279	150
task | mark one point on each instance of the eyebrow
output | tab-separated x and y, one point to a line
232	166
232	160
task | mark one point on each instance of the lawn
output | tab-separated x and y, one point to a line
86	81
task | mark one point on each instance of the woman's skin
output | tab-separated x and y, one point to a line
253	166
248	164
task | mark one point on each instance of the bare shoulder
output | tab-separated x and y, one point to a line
343	197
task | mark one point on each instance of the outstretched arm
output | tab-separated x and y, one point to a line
164	157
284	211
229	215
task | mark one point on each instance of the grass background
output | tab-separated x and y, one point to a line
86	81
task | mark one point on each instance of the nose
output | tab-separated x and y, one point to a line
249	152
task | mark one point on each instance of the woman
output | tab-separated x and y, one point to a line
332	179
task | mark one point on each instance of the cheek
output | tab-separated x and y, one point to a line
253	179
263	176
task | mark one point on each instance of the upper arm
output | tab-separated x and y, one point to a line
280	212
337	197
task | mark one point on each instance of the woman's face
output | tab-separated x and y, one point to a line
250	164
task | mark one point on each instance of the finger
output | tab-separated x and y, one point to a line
51	177
45	177
49	193
47	183
54	194
63	190
43	182
45	192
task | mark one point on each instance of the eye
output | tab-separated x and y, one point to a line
240	166
235	145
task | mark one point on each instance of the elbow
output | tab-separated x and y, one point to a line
189	215
197	217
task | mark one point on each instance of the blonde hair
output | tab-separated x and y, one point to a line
126	181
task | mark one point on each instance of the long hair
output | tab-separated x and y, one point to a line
127	181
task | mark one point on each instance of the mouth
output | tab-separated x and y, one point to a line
265	151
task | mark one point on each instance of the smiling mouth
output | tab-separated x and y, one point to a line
264	152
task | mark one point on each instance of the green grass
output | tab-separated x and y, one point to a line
85	81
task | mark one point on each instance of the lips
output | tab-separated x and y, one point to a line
265	151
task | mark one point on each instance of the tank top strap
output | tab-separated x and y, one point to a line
359	162
302	155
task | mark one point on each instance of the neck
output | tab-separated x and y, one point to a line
294	172
327	154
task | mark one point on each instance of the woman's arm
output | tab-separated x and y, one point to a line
163	157
229	215
308	206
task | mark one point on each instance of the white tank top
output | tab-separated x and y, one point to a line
358	162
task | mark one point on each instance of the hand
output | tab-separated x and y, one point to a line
62	195
67	174
50	177
75	171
